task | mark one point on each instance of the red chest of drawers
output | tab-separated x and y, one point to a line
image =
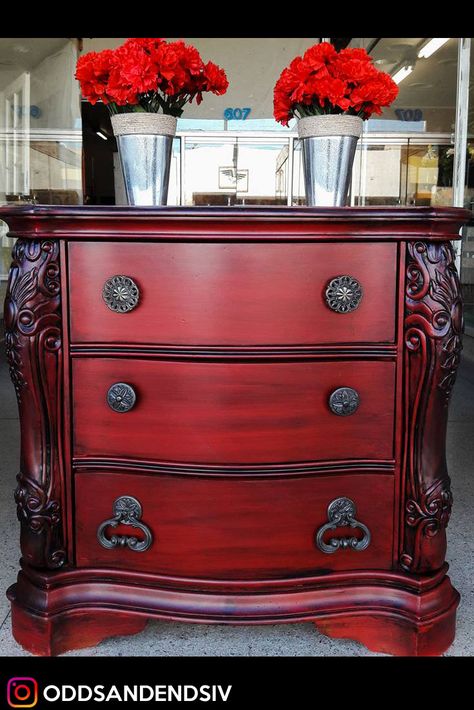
233	416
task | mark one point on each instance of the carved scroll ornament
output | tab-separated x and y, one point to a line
34	353
433	332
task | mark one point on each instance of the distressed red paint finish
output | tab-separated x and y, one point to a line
34	352
433	330
231	448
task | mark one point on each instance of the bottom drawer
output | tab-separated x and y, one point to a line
225	528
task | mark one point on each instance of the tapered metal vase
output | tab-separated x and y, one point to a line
145	142
329	144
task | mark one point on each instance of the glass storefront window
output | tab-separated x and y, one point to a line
379	174
467	251
263	167
229	170
40	127
427	84
210	176
298	194
430	175
403	170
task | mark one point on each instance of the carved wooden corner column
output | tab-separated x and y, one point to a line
433	330
34	353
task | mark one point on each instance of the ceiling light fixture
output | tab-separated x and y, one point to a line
101	135
402	74
432	46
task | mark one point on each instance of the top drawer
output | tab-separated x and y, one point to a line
232	293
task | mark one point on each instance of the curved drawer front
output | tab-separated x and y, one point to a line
229	529
230	294
230	413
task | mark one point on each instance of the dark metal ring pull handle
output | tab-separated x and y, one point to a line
341	513
344	401
343	294
127	511
121	397
121	294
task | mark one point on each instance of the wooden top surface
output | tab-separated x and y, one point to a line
258	222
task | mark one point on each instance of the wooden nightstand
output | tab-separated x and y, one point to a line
233	415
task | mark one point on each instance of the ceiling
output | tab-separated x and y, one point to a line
19	54
27	52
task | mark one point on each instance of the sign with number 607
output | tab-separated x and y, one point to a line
236	114
409	114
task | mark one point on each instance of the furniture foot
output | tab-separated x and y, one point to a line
70	630
392	634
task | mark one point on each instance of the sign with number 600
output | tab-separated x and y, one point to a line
236	114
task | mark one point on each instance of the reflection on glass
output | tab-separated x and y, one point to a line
467	253
379	174
426	80
174	189
264	166
204	160
467	277
235	172
40	128
393	171
430	175
298	195
55	170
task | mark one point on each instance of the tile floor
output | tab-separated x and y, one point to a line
179	639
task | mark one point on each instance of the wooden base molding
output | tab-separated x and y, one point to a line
388	612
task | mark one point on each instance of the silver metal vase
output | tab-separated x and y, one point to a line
329	146
145	142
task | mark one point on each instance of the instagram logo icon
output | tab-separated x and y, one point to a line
22	692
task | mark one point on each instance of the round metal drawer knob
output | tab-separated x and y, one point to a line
121	294
121	397
343	294
344	401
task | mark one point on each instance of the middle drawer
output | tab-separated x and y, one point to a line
232	413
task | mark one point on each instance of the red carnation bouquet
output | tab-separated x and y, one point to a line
148	74
325	81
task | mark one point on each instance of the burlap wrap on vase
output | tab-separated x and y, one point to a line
329	145
145	124
145	142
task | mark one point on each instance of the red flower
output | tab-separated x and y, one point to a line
133	74
326	81
151	72
190	59
211	78
93	71
173	74
319	57
329	90
352	69
149	44
354	53
374	93
215	79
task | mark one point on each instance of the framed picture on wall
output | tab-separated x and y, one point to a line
231	178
